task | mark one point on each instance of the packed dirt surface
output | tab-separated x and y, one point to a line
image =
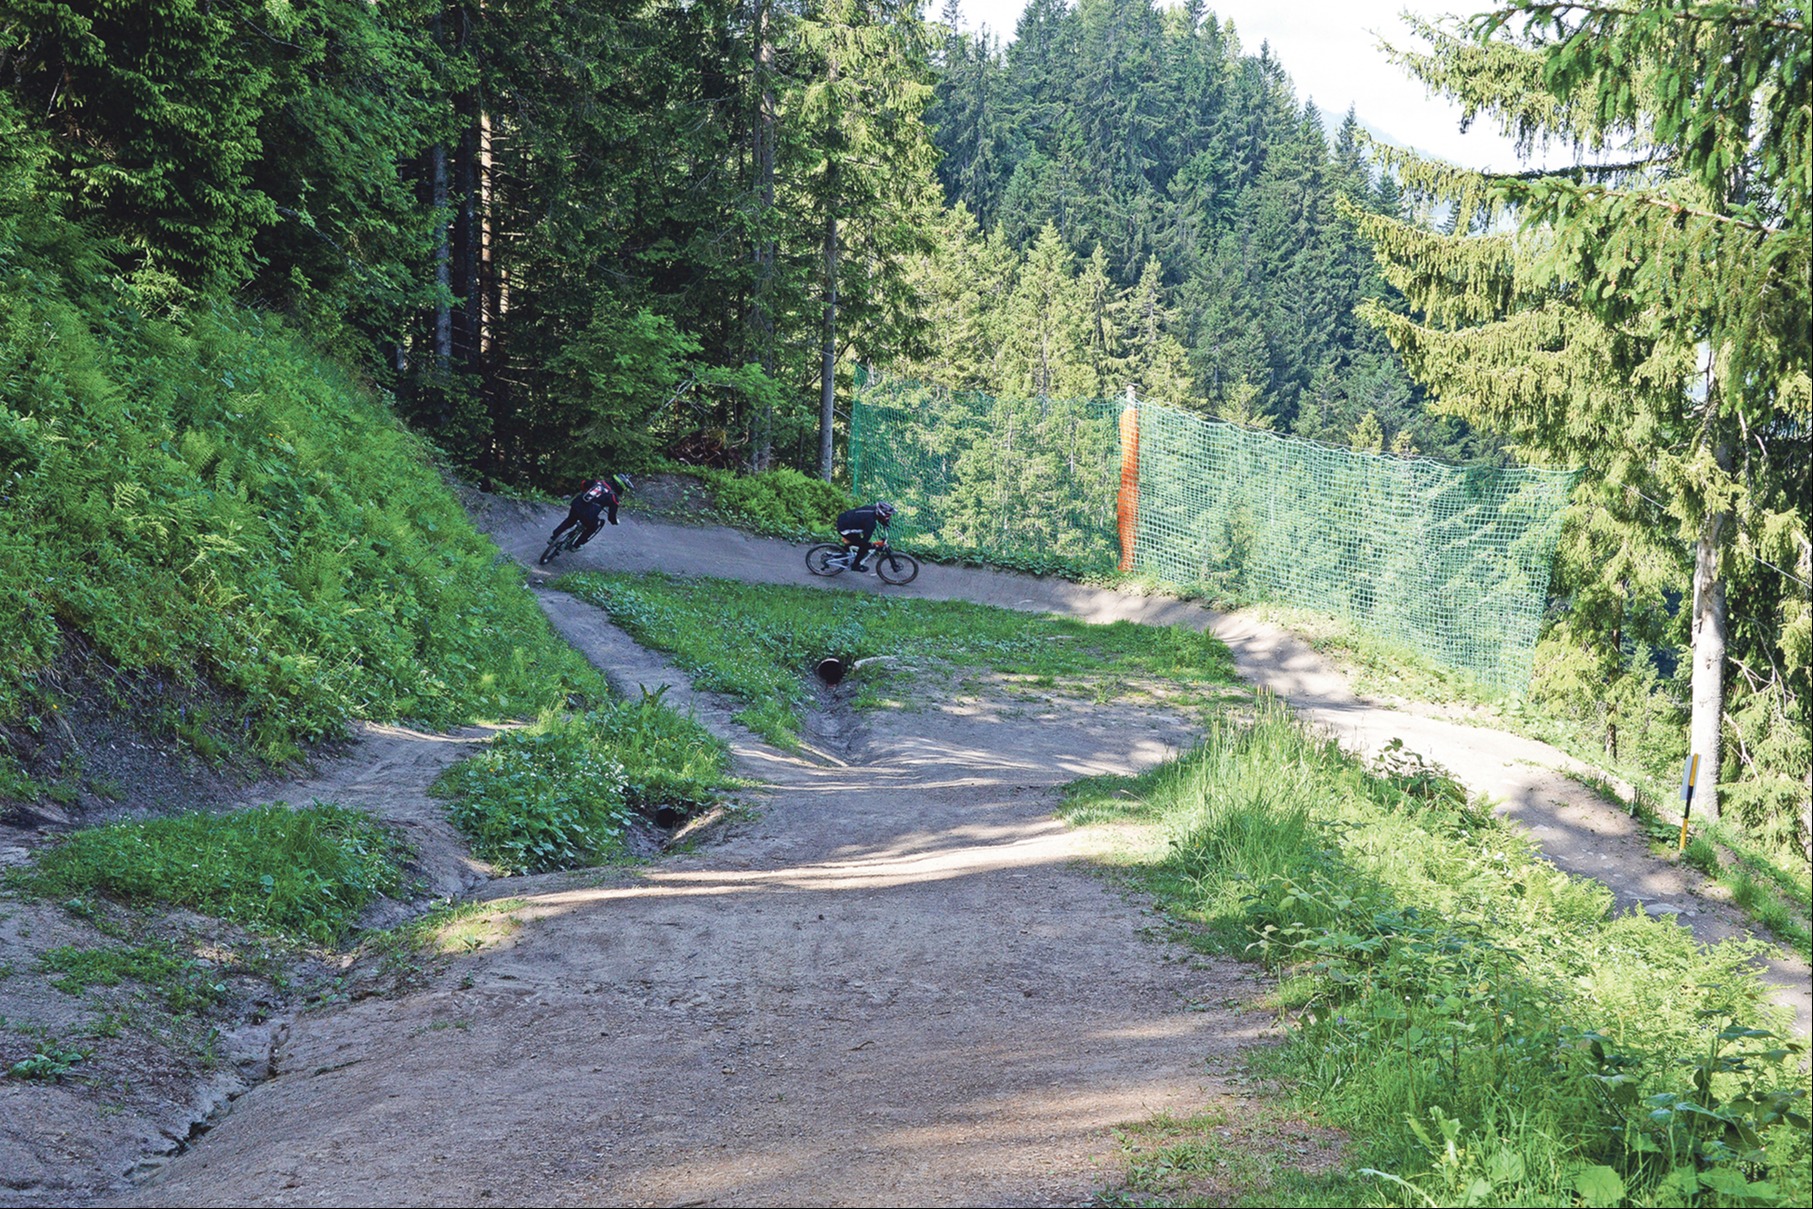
891	980
888	983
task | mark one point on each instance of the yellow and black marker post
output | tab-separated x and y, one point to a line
1689	775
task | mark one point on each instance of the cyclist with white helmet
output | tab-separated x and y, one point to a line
857	527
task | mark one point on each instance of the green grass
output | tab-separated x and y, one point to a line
301	874
234	537
1481	1025
561	794
183	984
758	643
1260	1155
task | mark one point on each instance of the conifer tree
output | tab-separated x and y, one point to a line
1645	315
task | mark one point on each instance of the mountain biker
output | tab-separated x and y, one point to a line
597	495
857	526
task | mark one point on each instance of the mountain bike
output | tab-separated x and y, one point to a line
834	558
567	541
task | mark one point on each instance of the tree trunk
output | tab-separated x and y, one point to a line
827	389
443	263
827	382
1704	731
762	313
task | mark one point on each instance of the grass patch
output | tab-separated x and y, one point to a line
758	643
408	952
184	984
303	874
561	794
1481	1025
1258	1156
1774	889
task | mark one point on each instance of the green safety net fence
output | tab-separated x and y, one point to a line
1451	561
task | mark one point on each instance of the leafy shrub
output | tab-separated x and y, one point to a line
561	794
304	873
779	503
51	1061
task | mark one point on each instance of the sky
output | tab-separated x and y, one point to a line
1330	49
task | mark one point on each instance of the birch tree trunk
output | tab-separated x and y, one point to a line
1708	631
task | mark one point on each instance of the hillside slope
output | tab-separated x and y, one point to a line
213	530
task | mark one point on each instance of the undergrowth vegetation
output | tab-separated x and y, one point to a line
562	793
778	503
300	874
1484	1026
1770	883
201	499
759	643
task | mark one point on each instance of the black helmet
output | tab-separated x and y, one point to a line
621	482
884	511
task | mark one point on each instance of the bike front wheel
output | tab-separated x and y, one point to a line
827	559
552	552
896	568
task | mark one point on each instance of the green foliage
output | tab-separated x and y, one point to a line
759	643
304	873
1483	1027
561	794
184	984
51	1061
671	763
207	503
601	386
1161	213
1647	320
779	503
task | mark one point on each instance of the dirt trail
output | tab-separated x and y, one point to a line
1576	828
892	986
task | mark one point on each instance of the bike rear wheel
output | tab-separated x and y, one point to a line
827	559
896	568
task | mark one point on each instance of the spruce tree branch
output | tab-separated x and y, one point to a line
1656	200
1536	174
1726	16
272	38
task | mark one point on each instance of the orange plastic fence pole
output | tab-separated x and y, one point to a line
1129	493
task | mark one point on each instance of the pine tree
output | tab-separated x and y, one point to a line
1647	318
